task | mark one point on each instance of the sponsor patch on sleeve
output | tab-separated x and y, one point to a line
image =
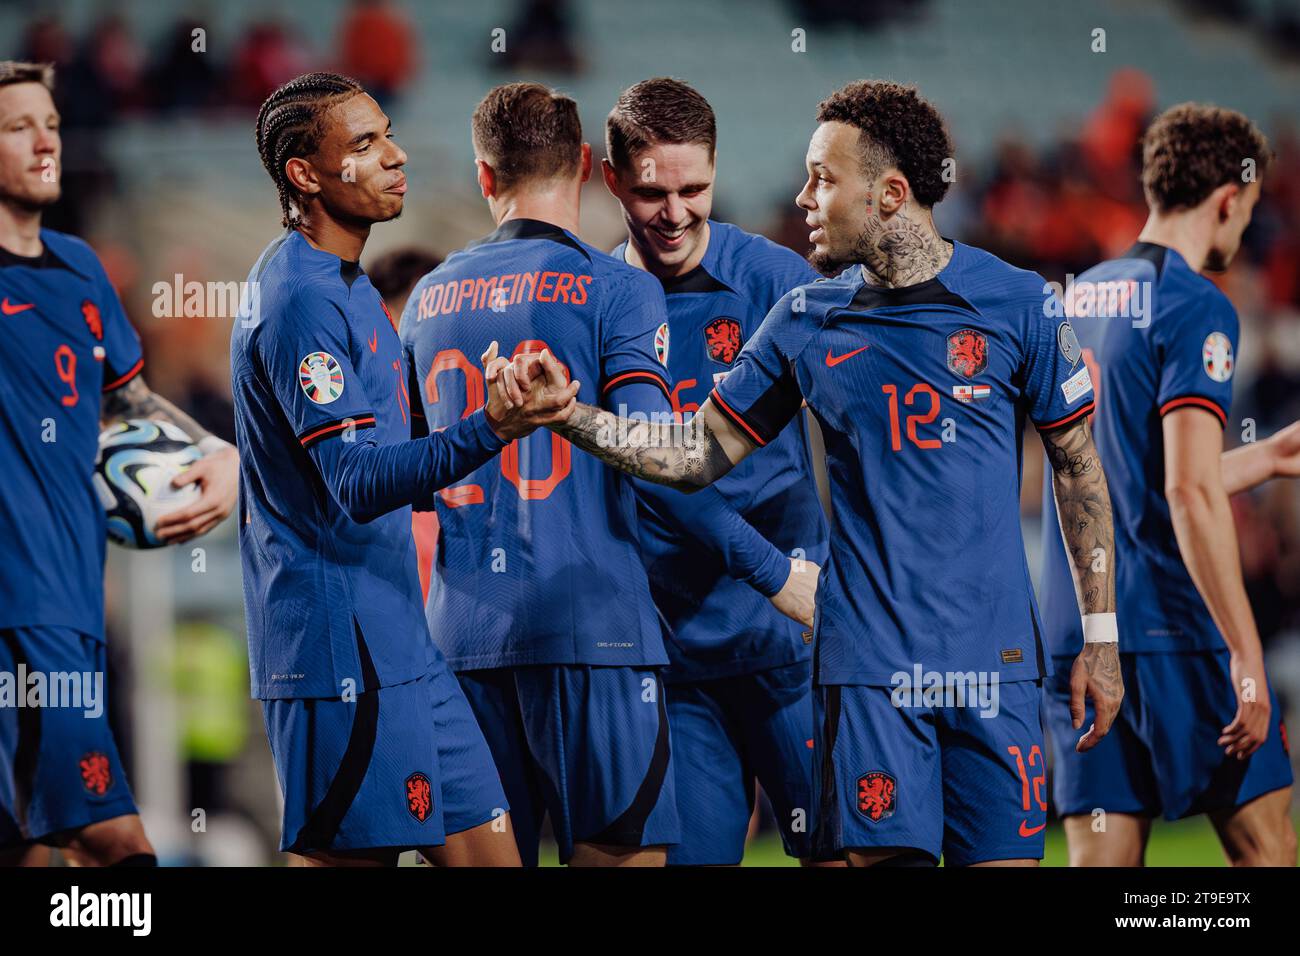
1068	343
1076	385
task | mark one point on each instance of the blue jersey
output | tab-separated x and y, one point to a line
921	393
1158	336
537	559
68	341
327	599
719	626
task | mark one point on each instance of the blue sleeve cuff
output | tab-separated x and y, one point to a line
478	434
771	574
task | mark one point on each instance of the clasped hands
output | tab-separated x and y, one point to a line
526	392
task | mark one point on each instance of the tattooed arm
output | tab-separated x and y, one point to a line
685	456
216	473
1083	503
1083	506
136	400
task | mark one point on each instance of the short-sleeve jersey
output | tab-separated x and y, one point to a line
315	358
537	559
921	393
1157	337
68	341
719	626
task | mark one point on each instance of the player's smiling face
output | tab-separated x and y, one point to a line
30	148
837	195
358	166
666	195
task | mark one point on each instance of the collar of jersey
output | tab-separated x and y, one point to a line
703	278
48	259
531	229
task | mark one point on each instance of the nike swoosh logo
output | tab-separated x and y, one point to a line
374	341
1027	831
834	360
15	309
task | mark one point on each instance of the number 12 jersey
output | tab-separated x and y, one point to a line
921	393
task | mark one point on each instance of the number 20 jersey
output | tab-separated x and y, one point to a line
538	558
921	393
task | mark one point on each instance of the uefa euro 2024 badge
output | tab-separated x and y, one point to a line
1217	356
320	377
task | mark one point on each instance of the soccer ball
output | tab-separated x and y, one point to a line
133	476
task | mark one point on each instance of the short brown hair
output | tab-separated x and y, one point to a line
1192	149
896	128
527	131
659	110
16	71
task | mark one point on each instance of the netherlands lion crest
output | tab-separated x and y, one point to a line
722	336
968	353
96	772
419	796
876	795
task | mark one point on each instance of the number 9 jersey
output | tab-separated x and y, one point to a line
67	342
538	557
921	393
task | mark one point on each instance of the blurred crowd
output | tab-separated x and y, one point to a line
109	75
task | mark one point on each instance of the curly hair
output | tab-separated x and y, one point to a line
527	131
658	110
896	128
291	123
1192	149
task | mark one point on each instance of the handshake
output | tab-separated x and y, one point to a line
527	392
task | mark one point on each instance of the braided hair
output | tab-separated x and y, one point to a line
289	125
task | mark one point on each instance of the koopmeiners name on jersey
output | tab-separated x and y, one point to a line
498	292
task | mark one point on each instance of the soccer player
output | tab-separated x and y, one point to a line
1201	731
920	359
739	682
375	747
73	364
538	595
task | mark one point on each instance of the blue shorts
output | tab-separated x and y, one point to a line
588	745
727	732
941	779
59	767
1162	754
400	767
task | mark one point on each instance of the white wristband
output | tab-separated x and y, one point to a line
1100	628
212	443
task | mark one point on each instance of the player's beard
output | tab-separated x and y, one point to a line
831	263
27	205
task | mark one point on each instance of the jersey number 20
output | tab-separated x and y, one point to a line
530	489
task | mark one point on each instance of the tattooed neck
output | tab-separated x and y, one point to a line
904	251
